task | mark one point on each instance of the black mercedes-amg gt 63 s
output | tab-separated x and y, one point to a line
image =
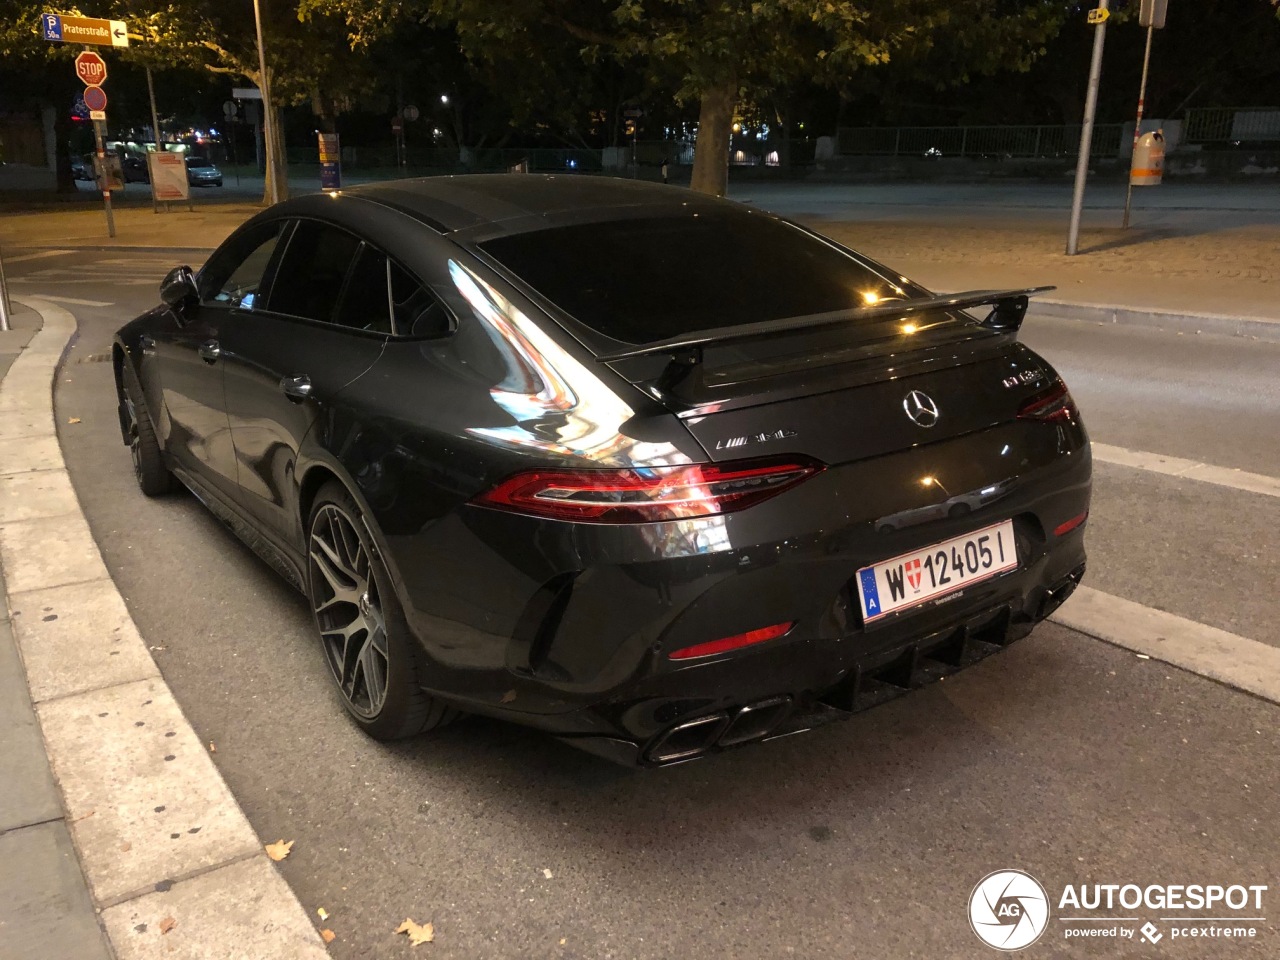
658	473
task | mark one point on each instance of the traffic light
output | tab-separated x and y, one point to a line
1151	13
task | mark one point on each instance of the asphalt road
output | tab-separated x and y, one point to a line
1066	757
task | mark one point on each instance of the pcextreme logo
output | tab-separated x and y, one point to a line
1010	910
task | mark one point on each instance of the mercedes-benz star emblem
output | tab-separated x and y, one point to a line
921	408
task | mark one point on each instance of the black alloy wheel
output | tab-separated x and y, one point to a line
361	624
154	478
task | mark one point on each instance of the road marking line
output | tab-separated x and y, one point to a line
1189	469
98	742
78	303
37	256
1196	647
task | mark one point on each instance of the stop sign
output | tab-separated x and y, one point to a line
91	68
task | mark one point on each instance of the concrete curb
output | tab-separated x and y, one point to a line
1258	328
158	832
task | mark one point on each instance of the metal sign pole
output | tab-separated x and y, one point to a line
1137	126
155	133
1086	127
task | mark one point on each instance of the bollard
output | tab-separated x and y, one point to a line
5	307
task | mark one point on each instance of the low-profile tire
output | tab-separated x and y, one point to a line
154	478
363	632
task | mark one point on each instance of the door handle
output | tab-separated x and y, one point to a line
146	342
296	389
210	351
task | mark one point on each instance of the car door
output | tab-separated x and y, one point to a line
325	323
197	433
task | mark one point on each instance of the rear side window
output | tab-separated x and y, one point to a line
310	278
365	304
649	279
232	276
418	312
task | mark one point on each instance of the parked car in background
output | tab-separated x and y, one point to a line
135	168
202	173
82	167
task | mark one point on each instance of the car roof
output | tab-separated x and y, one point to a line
518	202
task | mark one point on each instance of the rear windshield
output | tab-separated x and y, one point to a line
649	279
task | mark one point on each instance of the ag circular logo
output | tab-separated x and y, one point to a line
1008	910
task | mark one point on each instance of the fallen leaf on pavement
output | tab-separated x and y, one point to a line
74	420
126	847
322	913
279	850
327	936
212	748
167	924
418	932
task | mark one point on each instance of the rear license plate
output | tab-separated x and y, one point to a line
932	572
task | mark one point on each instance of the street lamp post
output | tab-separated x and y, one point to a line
273	167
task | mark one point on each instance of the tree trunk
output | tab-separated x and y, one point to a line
711	149
277	159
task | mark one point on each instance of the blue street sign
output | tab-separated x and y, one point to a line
52	26
330	176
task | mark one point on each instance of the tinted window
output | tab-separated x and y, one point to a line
649	279
365	304
311	275
233	274
417	310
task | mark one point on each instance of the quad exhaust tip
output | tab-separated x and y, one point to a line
695	737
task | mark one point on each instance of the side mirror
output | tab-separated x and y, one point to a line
178	288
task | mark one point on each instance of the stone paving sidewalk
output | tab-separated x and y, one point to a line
45	907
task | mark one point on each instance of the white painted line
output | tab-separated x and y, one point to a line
158	830
37	256
1207	651
74	302
1190	469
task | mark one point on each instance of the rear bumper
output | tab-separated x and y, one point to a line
568	627
849	680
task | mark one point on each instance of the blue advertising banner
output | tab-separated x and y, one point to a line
330	162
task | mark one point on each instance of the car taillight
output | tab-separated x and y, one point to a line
645	495
736	642
1053	406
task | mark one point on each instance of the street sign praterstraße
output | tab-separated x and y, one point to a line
91	68
64	29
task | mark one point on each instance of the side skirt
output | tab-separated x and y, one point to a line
277	558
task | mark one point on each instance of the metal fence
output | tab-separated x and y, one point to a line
1022	142
1225	124
469	160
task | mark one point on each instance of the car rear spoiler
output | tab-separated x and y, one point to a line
1009	309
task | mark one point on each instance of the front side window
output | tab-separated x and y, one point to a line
233	275
313	271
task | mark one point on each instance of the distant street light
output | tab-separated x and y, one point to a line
444	98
